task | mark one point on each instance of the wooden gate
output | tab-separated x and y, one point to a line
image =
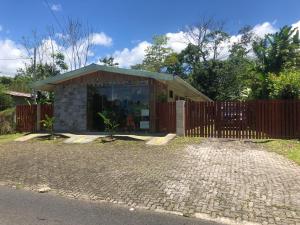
166	117
26	116
249	120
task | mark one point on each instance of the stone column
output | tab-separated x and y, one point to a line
180	118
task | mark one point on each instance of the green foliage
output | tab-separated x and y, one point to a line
278	51
7	125
6	100
6	81
156	55
43	71
48	124
285	85
21	84
109	123
276	54
108	61
25	77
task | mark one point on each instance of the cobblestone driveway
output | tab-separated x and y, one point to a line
221	178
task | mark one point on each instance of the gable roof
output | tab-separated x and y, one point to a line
18	94
47	84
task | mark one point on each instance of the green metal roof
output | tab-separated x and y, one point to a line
47	84
94	68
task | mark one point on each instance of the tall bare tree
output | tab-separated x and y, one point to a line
208	37
77	39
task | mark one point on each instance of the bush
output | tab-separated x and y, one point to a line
6	101
286	85
7	124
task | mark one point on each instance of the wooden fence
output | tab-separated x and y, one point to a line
166	117
250	120
27	116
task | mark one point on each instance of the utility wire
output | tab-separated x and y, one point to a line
15	58
53	14
7	73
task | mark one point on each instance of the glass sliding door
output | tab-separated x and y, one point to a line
128	105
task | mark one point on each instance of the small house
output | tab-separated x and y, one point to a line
127	96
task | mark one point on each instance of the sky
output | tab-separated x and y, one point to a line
124	28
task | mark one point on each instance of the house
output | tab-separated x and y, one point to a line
128	96
19	98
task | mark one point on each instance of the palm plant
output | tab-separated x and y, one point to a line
110	125
48	123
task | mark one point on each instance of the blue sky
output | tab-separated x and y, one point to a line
132	22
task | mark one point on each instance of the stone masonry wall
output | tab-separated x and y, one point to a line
70	107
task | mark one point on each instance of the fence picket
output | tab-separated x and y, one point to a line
261	119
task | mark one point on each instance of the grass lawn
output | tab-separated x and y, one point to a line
9	137
287	148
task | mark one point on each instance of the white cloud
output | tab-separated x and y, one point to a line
127	58
264	28
101	39
11	52
56	7
177	41
297	25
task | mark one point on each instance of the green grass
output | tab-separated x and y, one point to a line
287	148
9	137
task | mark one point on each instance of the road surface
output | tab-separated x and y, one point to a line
19	207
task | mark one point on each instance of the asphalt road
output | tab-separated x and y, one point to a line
18	207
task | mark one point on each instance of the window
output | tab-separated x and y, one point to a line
171	94
128	104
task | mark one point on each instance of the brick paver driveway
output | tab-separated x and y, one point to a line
232	179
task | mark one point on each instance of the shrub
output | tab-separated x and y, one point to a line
6	101
286	85
7	124
48	123
109	123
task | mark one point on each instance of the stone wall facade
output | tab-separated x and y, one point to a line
70	107
70	104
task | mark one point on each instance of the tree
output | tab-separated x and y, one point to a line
285	85
44	70
274	53
6	81
108	61
77	38
201	58
156	55
5	100
278	51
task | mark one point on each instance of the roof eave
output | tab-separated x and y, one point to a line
190	87
44	84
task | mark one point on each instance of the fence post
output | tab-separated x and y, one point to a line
180	118
38	117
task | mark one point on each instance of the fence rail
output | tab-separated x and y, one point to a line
250	120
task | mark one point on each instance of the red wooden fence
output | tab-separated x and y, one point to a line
26	116
46	110
250	119
166	117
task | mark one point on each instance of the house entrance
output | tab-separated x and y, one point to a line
127	105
